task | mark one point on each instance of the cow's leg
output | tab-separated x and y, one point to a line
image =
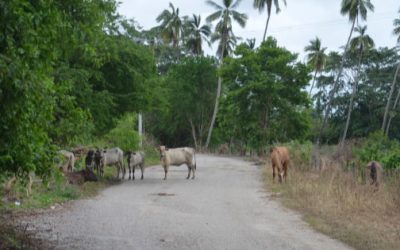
193	171
129	167
189	170
133	171
124	170
273	174
142	170
101	169
285	172
165	171
280	175
118	169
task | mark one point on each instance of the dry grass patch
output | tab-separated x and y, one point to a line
338	205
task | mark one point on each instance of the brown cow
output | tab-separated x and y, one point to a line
280	160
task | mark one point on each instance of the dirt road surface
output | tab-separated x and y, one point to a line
225	207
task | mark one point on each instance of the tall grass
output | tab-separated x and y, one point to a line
336	202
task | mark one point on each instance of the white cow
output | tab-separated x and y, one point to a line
177	157
69	164
135	159
109	157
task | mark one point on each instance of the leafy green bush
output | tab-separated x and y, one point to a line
300	153
123	135
379	147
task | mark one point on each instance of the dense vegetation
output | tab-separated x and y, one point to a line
76	72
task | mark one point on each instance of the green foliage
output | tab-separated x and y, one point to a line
378	67
123	135
66	73
188	94
379	147
300	154
265	99
26	90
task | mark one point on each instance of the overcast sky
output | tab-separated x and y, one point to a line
297	23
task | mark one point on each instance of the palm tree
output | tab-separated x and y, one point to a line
251	43
171	25
360	44
196	34
316	58
225	15
353	9
261	4
396	32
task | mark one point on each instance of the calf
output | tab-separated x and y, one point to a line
69	165
109	157
280	161
177	157
135	159
79	177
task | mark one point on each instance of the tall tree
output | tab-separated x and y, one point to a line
262	4
196	34
396	32
316	57
353	9
171	25
265	99
223	33
360	45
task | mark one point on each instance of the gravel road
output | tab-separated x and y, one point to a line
225	207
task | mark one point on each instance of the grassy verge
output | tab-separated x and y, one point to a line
335	203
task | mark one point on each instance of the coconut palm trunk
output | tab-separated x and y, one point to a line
336	83
216	106
353	94
385	116
266	26
395	102
313	82
329	104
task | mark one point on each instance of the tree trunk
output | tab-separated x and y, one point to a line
331	94
390	98
353	94
219	88
394	108
266	26
193	133
313	82
215	111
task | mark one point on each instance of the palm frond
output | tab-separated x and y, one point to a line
214	16
240	18
214	5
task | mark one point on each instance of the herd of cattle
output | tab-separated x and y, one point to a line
96	160
280	160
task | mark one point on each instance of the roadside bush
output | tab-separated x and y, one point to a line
123	135
379	147
300	154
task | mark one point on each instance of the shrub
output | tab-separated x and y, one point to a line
123	135
300	153
379	147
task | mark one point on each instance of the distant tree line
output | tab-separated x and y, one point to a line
71	70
